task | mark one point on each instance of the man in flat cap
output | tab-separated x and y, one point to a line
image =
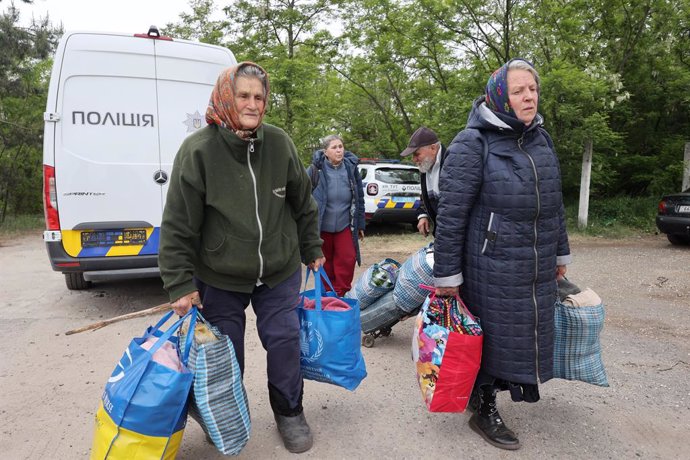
425	147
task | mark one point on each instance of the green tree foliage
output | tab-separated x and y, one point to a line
615	72
200	24
24	73
286	37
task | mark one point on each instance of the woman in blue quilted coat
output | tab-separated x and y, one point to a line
501	241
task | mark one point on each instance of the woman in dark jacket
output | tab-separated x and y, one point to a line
337	189
501	236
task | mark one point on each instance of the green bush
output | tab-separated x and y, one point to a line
616	217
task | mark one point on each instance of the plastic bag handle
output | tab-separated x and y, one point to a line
323	274
172	329
163	320
318	285
160	324
190	337
457	297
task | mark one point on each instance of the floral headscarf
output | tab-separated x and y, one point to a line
497	98
221	106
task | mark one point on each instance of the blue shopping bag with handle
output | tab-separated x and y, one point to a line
330	336
143	409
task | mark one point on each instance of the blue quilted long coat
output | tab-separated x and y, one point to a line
501	232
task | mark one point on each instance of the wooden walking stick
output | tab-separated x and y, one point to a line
149	311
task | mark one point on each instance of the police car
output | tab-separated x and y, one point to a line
392	192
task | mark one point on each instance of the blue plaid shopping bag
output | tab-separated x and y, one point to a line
577	351
417	270
219	400
375	282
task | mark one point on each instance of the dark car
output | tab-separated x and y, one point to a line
673	217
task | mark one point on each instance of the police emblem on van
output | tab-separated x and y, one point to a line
193	122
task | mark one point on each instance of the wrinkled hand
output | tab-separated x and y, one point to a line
182	305
361	235
560	271
317	263
423	226
447	291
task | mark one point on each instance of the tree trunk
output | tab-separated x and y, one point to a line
686	167
584	185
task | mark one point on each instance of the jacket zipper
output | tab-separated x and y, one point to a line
250	150
536	256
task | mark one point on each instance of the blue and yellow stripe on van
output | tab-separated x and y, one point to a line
71	242
389	203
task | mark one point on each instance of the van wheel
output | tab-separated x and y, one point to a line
75	281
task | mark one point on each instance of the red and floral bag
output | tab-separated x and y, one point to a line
447	350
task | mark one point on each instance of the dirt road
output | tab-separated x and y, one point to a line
50	383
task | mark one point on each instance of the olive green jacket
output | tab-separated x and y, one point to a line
237	212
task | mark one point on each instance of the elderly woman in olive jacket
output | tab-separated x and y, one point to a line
501	240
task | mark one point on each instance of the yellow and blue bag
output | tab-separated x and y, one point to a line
143	410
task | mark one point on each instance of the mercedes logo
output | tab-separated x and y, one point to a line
160	177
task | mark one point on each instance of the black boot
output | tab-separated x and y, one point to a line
295	432
292	425
488	423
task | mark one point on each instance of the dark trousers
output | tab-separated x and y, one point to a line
276	322
518	391
339	251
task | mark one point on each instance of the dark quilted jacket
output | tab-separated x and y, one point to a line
501	233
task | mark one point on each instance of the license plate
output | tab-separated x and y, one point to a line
404	199
683	208
107	238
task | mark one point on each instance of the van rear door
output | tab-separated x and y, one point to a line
109	145
186	74
119	106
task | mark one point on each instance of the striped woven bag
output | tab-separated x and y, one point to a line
376	281
415	271
577	351
219	401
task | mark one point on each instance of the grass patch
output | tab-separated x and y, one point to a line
14	226
616	217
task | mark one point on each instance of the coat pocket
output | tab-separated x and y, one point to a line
491	233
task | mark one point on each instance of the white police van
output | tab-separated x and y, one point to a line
392	191
118	108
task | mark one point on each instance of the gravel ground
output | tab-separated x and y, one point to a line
52	383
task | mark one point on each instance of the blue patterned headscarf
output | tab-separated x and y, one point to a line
497	89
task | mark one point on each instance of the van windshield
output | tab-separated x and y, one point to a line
397	175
